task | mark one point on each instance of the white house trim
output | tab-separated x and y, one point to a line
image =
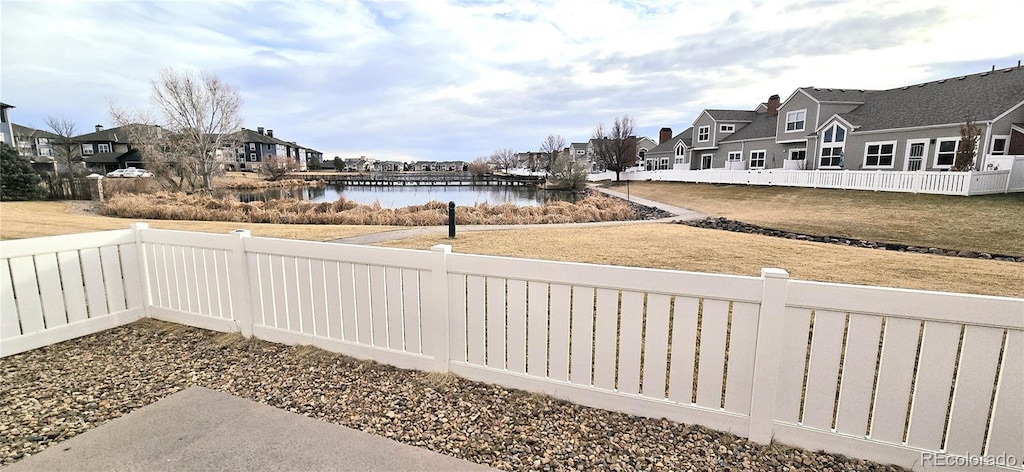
763	158
835	116
923	156
799	90
694	124
880	144
711	160
766	138
1007	112
791	141
802	121
938	146
1006	144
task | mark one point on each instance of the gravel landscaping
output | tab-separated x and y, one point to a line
51	394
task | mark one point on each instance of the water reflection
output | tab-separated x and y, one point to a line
402	196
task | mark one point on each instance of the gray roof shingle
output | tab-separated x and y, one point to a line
732	115
20	130
762	127
669	146
982	96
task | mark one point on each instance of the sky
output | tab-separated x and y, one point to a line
433	80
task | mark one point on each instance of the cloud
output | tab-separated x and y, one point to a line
432	80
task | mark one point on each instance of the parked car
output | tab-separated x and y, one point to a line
117	173
133	172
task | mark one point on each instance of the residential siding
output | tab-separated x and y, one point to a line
799	101
853	158
705	120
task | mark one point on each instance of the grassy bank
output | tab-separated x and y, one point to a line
175	206
679	247
34	219
984	223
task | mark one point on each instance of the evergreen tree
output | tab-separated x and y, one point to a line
18	181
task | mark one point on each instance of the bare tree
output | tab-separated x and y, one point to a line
197	113
615	149
503	159
970	132
567	174
479	167
66	151
550	148
275	167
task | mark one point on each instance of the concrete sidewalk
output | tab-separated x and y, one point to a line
199	429
678	212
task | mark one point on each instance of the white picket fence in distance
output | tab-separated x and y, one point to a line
877	373
1004	180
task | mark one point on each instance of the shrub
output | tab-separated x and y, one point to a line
18	181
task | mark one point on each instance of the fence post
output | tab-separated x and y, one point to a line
767	353
143	262
439	313
238	274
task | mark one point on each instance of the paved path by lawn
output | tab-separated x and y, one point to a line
199	429
677	212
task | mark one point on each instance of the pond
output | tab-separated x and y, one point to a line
402	196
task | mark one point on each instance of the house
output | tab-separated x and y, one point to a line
637	147
249	149
6	130
391	166
911	128
672	152
312	157
36	145
105	150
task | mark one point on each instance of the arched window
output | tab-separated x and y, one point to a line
833	143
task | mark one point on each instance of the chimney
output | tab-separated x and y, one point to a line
270	133
664	135
773	105
99	128
259	130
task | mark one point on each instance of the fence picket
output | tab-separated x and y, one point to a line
934	378
631	334
742	343
537	329
975	379
517	326
858	374
605	338
656	346
558	361
476	322
495	301
50	291
396	324
684	349
1006	434
95	293
581	343
411	291
823	369
895	377
10	326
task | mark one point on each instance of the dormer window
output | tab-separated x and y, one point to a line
795	120
680	149
703	133
727	128
103	147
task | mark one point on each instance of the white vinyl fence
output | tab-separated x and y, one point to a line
942	183
877	373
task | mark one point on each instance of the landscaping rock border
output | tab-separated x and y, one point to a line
726	224
56	392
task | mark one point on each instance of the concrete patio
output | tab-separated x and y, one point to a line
200	429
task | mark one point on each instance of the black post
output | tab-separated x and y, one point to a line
451	220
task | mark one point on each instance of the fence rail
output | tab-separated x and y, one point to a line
878	373
931	182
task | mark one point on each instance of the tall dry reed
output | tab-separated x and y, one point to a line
178	206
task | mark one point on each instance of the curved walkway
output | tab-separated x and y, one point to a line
677	212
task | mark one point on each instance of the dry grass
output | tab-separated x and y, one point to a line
33	219
249	180
176	206
984	223
680	247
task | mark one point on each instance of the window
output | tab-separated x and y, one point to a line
87	149
103	147
833	143
664	163
679	161
46	152
705	160
999	144
945	152
680	150
252	157
878	155
642	154
735	156
727	128
703	133
795	120
797	154
44	141
252	146
757	159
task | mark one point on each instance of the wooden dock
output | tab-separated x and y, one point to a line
423	178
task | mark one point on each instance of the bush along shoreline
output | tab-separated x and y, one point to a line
199	207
